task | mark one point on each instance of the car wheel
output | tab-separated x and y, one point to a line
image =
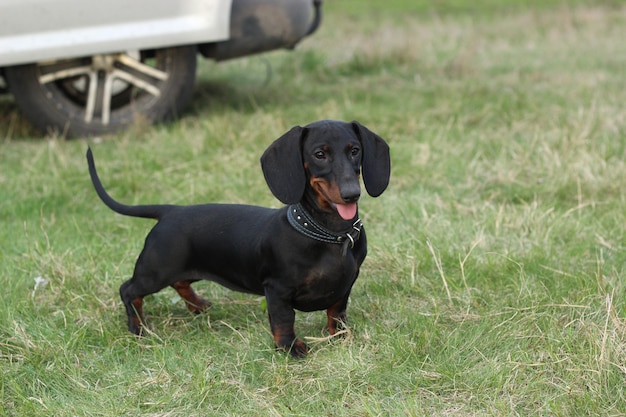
104	93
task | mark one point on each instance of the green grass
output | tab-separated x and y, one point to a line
495	280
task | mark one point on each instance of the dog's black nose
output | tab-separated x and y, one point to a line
351	197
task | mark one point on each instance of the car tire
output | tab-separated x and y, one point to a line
104	93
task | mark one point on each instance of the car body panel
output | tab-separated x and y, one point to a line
40	30
83	68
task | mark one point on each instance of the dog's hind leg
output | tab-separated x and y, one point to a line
195	303
134	308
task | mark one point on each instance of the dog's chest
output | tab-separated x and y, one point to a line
324	282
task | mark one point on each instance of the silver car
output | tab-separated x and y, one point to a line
92	67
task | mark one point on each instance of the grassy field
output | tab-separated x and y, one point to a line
495	281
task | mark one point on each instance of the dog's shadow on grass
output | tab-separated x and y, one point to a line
226	305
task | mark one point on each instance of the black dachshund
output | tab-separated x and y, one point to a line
304	256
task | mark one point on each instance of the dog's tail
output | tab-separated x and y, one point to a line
147	211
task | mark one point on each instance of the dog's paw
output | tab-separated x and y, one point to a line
135	326
199	306
297	349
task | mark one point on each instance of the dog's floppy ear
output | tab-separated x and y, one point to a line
283	166
376	165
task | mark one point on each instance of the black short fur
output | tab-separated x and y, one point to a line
255	249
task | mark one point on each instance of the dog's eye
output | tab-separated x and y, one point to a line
355	151
320	155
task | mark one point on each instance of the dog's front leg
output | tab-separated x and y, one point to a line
337	316
282	317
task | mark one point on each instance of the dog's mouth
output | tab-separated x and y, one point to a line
346	211
330	197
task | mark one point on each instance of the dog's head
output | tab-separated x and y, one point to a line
328	156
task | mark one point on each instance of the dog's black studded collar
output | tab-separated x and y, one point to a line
302	221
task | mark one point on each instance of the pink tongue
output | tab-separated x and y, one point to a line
347	211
